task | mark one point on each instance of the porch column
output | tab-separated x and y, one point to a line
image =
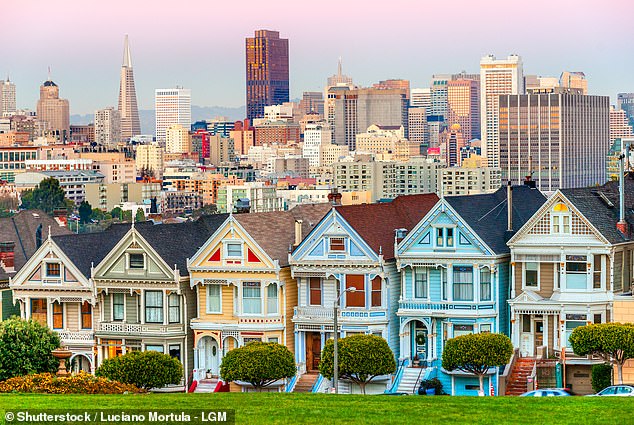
515	328
406	351
165	308
430	342
546	322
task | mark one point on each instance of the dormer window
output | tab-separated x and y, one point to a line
561	219
445	237
137	261
234	250
53	270
337	244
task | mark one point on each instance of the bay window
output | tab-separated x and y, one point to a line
154	306
315	291
271	299
376	292
251	298
58	316
531	275
118	300
38	310
213	299
576	272
485	285
573	321
174	308
463	283
357	298
86	315
420	283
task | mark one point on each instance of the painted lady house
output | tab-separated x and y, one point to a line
243	285
352	247
568	263
454	269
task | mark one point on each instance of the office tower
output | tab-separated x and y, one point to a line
393	84
339	78
421	98
417	125
625	101
243	136
619	125
107	127
312	102
351	111
497	77
150	158
128	110
7	98
452	141
316	136
177	139
172	106
561	139
53	111
574	80
267	72
463	106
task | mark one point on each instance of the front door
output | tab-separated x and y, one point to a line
539	333
313	350
527	340
208	355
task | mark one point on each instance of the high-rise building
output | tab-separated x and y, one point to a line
172	106
560	139
267	71
619	125
53	111
421	98
393	84
463	106
177	139
497	77
7	98
312	102
625	101
574	80
316	135
150	158
128	110
339	78
417	126
107	127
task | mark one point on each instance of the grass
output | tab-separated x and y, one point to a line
268	408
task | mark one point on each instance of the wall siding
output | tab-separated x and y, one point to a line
546	279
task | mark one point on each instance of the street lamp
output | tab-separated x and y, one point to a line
336	336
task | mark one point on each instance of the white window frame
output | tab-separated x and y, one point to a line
277	299
445	236
481	270
225	248
129	261
261	312
112	319
53	279
207	288
345	245
531	288
424	271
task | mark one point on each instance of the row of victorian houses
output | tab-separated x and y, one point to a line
424	270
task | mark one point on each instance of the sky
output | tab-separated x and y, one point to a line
199	44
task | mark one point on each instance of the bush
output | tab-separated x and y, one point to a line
434	383
601	376
144	369
25	348
258	363
81	383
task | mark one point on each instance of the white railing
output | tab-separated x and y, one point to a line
344	314
76	336
137	328
314	312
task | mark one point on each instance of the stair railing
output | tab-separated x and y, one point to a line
505	377
418	380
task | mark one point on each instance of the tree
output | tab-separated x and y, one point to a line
145	369
98	215
258	363
613	342
46	196
361	359
25	348
85	212
117	213
140	215
476	353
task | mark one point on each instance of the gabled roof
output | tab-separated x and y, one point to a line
21	229
598	212
274	231
376	223
487	214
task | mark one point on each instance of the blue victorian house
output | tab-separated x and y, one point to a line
454	267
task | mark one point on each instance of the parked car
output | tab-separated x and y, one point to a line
616	391
548	392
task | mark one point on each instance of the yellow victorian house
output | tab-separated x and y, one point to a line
243	283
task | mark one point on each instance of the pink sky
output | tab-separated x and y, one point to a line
200	44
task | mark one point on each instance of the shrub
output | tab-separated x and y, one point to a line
81	383
258	363
25	348
601	376
145	369
361	359
434	383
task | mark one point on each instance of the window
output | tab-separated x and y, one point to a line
58	316
315	291
485	285
357	298
576	272
376	292
420	283
175	351
531	272
213	299
137	261
463	283
459	330
596	278
597	318
337	244
271	299
234	250
440	241
117	307
485	328
449	234
154	306
250	340
561	219
174	313
86	315
274	339
251	298
571	325
158	348
445	237
53	270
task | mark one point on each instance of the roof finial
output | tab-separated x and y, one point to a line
49	232
133	217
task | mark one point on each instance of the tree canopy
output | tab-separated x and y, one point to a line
613	342
361	359
258	363
476	353
145	369
85	212
46	196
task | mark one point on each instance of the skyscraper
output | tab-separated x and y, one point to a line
107	127
172	106
53	111
339	78
128	110
267	72
574	80
463	106
497	76
619	125
7	98
625	101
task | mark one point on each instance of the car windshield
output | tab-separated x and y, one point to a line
608	391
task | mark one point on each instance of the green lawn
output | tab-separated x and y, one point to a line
352	409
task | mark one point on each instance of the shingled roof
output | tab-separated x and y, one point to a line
21	229
487	214
275	231
376	223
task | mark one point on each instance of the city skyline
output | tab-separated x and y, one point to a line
85	53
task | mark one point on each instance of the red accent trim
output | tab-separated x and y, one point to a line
215	256
251	257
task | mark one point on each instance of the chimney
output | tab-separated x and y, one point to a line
7	256
334	197
509	203
622	224
298	232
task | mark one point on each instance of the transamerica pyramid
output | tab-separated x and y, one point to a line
130	124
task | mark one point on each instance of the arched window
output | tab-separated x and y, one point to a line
561	219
